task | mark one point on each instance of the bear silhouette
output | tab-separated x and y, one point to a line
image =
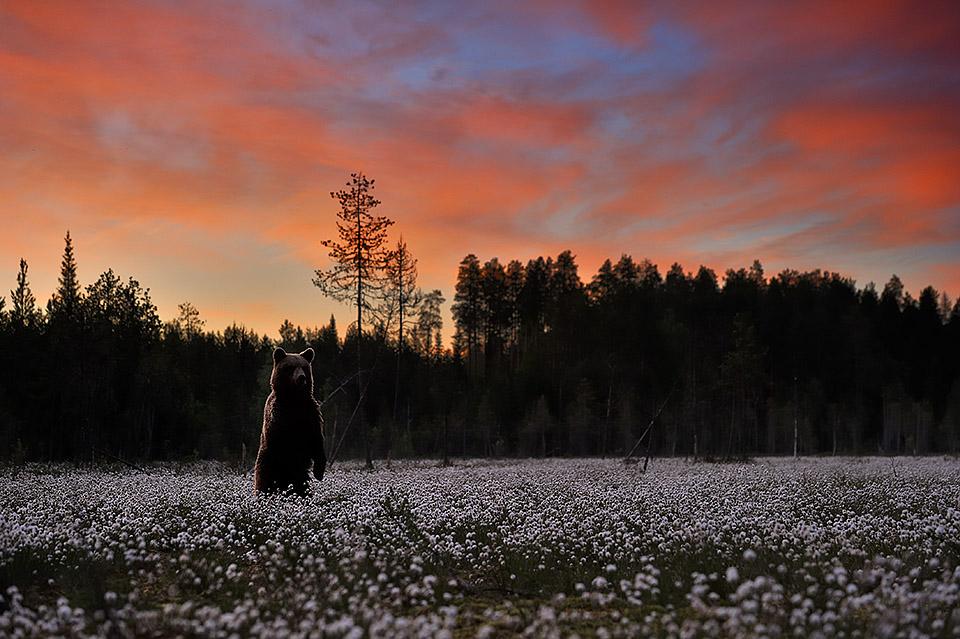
292	435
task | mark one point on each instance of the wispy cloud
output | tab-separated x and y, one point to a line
205	138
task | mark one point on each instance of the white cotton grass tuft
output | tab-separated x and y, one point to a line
773	548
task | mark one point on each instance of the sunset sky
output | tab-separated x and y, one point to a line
193	145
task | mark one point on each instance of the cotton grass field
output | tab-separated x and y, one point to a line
843	547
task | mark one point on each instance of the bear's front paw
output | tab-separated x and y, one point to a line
318	473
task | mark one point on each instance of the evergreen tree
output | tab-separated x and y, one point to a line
121	310
188	322
893	293
515	278
292	338
360	257
753	363
24	312
64	304
359	260
495	310
468	312
603	284
329	332
67	339
533	303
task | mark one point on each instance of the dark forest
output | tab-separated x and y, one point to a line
543	364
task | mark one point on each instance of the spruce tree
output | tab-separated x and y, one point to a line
468	313
64	305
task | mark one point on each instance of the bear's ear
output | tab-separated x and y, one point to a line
308	354
278	355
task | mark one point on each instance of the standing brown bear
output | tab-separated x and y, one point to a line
292	433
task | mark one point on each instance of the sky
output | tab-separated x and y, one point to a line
194	145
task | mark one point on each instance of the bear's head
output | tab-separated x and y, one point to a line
292	373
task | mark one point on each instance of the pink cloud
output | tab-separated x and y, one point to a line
171	137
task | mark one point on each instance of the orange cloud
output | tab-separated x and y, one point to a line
195	146
536	123
900	158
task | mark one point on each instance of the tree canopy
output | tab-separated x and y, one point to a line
543	363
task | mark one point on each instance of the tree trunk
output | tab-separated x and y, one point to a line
363	422
796	429
396	387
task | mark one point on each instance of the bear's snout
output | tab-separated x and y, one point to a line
300	378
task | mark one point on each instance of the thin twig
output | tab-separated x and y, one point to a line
363	393
119	459
650	426
343	435
338	389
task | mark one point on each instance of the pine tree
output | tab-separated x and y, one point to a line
24	312
496	311
359	261
188	322
329	332
468	312
515	279
64	305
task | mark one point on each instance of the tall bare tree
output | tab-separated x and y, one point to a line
359	260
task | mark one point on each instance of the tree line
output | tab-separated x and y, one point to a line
798	363
542	363
97	375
